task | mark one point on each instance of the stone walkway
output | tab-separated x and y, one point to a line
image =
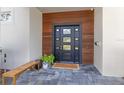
87	75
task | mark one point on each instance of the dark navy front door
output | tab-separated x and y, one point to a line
67	45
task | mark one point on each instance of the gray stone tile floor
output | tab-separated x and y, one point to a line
87	75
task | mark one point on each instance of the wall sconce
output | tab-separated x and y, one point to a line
92	9
97	43
5	15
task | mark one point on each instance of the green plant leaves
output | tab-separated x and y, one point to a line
48	58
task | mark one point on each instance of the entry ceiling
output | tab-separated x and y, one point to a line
61	9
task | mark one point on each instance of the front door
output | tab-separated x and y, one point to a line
67	43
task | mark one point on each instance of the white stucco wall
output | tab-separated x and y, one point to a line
35	33
14	38
19	37
108	28
98	30
113	41
0	48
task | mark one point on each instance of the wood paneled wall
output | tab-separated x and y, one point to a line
85	17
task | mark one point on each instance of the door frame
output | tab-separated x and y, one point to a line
68	24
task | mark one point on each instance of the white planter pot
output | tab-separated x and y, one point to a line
45	65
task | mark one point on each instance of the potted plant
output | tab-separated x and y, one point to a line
47	60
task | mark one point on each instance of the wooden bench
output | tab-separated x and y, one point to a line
17	71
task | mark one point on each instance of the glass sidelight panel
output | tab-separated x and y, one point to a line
66	47
57	30
57	38
76	38
76	48
57	47
66	31
76	29
67	39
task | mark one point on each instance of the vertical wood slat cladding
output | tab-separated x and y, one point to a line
86	17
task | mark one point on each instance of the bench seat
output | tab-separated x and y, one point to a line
17	71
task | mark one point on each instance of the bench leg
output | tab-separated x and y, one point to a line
3	80
38	66
33	68
14	80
